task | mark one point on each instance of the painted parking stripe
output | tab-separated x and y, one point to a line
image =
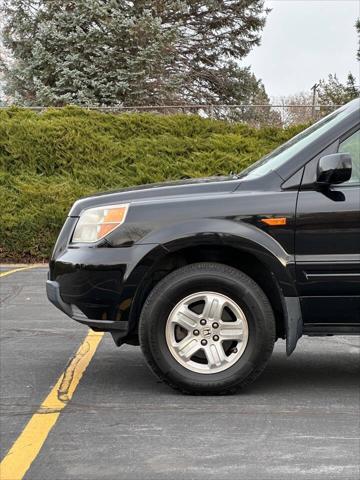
28	445
14	270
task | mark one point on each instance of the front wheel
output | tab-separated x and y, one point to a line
207	328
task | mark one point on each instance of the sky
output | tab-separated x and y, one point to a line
303	41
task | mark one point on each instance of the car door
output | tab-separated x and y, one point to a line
327	245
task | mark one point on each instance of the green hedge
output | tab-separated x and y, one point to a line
48	160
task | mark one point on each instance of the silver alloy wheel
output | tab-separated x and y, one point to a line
208	341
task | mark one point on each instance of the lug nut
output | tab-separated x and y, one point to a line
203	342
215	338
196	332
203	321
215	325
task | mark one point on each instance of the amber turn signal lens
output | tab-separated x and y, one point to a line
274	222
114	215
112	219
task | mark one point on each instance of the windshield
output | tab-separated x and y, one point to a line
282	154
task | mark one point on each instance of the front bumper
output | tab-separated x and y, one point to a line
98	287
53	294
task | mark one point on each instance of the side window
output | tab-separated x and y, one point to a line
351	145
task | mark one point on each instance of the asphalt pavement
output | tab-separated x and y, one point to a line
300	420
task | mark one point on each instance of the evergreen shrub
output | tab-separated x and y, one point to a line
48	160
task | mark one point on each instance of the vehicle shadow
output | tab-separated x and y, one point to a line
308	369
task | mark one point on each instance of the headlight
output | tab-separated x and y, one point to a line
96	223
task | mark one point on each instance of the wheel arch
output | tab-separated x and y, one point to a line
263	266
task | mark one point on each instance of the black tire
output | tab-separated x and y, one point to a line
227	281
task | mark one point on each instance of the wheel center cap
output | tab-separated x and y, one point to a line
206	332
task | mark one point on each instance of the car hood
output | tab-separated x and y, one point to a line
193	186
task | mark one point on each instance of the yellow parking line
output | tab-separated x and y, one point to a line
14	270
27	446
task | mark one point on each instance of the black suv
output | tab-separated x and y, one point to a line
206	274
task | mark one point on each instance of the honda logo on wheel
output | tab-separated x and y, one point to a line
206	332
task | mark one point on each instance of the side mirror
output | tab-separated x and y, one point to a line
334	169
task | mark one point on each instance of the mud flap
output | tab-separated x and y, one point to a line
293	322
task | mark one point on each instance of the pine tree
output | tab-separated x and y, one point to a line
116	52
333	92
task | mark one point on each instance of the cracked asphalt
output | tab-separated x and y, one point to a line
300	420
